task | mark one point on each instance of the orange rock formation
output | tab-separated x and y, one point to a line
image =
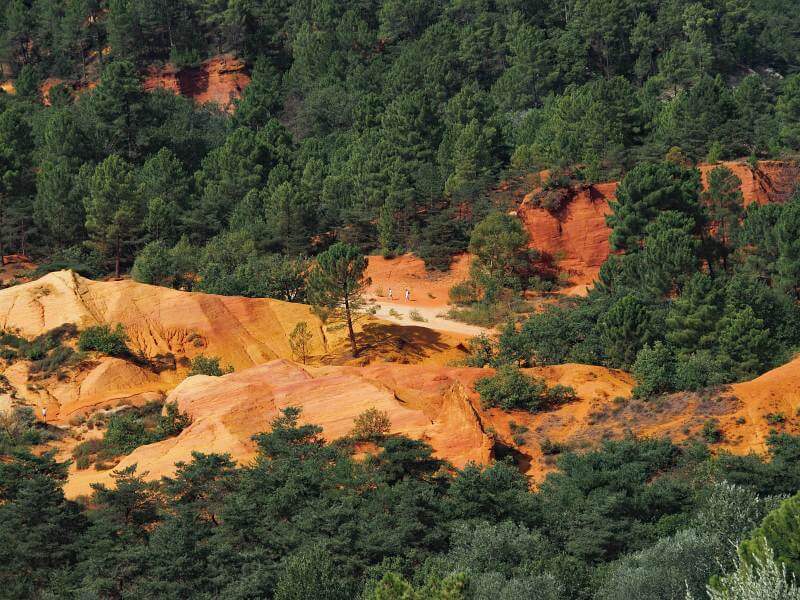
160	322
221	80
439	405
167	328
430	404
576	238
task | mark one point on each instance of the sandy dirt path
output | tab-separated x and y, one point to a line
400	313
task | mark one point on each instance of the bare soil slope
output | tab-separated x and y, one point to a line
171	327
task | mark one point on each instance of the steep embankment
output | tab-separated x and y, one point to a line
164	326
576	237
435	404
227	411
220	79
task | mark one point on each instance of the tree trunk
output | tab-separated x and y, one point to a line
350	331
116	261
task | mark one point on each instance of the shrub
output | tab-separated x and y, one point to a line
511	389
463	293
654	370
518	433
154	265
775	418
101	338
372	424
561	394
415	315
172	422
52	362
129	430
18	429
208	365
765	579
551	448
712	432
125	433
481	352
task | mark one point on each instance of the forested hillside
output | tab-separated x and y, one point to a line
394	126
372	122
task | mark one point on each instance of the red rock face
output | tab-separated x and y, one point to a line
576	238
772	181
221	80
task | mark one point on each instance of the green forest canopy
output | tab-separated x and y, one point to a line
369	120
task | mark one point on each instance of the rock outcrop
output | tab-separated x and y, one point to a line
576	237
220	80
431	404
162	325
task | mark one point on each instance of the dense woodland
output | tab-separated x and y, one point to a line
384	126
631	519
378	123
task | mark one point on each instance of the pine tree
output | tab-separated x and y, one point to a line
725	205
787	109
16	179
693	317
746	343
624	330
119	110
779	533
644	192
114	208
788	237
336	285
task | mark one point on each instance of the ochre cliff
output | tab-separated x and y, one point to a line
576	237
220	79
439	405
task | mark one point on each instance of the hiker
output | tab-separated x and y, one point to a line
408	295
390	294
44	414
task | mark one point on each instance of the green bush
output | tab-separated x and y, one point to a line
372	424
125	433
415	315
128	430
172	422
511	389
101	338
208	365
712	432
654	370
779	533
